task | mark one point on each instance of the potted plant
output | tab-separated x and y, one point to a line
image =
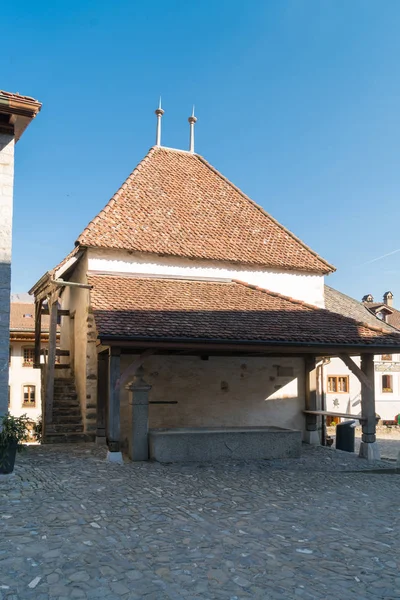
13	432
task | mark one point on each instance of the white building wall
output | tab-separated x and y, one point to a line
387	404
221	391
301	286
20	376
6	210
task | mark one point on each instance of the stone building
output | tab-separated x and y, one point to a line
24	381
16	112
342	387
194	322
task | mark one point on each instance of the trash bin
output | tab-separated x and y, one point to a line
345	435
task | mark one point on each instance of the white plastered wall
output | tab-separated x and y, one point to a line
301	286
387	405
221	391
20	376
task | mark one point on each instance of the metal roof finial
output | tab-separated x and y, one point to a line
192	120
159	112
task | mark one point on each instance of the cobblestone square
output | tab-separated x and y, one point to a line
323	526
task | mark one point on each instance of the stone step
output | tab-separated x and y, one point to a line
67	427
66	409
70	396
67	419
68	438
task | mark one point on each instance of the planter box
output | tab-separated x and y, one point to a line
7	461
210	444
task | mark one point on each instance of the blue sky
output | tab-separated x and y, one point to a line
298	103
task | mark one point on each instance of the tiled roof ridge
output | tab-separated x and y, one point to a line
117	194
332	269
307	305
16	96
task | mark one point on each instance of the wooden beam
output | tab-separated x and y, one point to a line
38	332
243	349
311	435
114	426
351	365
49	391
61	311
130	371
102	386
368	421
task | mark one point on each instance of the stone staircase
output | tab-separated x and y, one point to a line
67	424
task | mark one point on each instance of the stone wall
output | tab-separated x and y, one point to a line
221	391
6	208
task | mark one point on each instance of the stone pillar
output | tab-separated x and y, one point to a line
311	434
369	449
139	401
113	417
6	210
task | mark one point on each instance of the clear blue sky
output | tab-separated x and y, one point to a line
298	103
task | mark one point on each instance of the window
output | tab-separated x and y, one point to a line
387	384
387	357
29	356
29	396
338	384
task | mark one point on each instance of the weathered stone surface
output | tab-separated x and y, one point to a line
210	444
316	527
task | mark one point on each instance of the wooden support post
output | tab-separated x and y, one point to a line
38	332
114	427
139	401
102	387
368	448
49	392
311	434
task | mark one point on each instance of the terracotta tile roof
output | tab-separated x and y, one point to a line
175	203
133	307
349	307
22	317
16	96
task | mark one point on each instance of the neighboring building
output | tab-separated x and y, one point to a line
342	387
185	278
16	112
24	389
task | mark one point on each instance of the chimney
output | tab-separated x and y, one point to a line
388	298
368	298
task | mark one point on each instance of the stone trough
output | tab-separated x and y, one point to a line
210	444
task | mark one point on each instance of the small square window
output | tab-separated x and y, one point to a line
29	399
29	356
338	384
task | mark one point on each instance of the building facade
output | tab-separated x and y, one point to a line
186	307
24	382
16	112
342	387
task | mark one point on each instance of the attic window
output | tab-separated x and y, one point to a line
28	316
382	316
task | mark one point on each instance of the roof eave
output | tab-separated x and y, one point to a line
21	110
306	347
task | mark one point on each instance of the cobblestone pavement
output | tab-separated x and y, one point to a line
323	526
387	438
